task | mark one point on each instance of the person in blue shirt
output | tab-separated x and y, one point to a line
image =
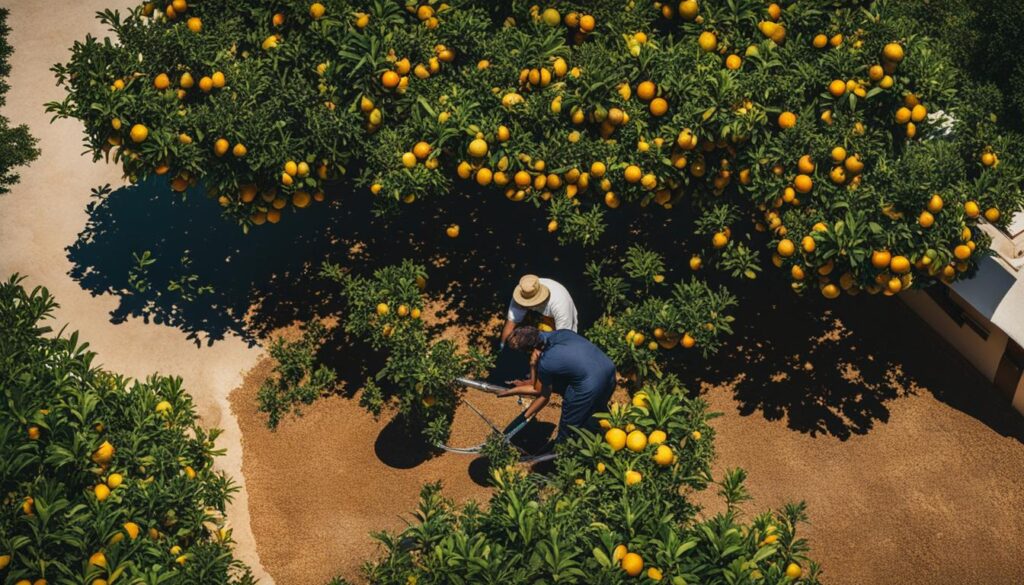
567	364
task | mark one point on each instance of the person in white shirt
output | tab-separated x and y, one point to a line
544	296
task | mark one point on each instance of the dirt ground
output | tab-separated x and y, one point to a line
909	462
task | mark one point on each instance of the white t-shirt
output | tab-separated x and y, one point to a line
559	307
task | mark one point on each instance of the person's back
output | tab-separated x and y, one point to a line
571	360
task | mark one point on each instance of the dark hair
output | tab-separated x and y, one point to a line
524	339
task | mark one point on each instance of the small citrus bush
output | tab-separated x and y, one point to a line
384	310
616	511
102	480
832	125
641	328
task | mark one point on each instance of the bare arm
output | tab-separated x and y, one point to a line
506	331
540	402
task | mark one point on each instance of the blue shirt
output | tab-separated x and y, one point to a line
571	364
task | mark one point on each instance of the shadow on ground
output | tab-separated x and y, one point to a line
825	368
832	367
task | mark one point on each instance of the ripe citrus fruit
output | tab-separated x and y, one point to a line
636	441
477	148
139	133
893	52
793	570
616	438
633	478
658	106
787	120
657	437
663	456
632	564
708	41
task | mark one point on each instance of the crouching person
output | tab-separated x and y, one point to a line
567	364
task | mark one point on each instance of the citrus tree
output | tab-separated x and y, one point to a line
834	126
640	327
103	479
384	311
616	510
17	146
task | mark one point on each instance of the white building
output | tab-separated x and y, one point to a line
983	317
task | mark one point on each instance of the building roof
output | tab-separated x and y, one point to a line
997	290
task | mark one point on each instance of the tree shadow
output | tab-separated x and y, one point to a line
832	367
253	284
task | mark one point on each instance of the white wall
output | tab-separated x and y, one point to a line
983	353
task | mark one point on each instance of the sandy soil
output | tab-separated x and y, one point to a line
903	453
46	211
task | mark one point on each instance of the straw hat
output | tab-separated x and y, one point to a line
530	292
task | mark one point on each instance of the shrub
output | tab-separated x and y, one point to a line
384	310
605	516
102	478
17	146
640	327
578	109
298	378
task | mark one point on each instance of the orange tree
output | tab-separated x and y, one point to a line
639	328
103	479
384	311
833	125
616	510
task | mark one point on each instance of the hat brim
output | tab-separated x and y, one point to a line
538	299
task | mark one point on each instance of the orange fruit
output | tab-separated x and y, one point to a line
477	148
633	174
632	564
587	23
316	10
708	41
421	149
935	203
819	41
636	441
893	52
787	120
616	438
899	264
218	79
971	209
139	133
926	219
805	165
221	146
830	291
786	248
205	84
854	164
992	214
837	88
880	259
962	252
803	183
658	106
733	62
663	455
195	24
161	81
390	79
646	90
239	150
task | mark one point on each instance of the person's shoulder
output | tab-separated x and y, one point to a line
552	283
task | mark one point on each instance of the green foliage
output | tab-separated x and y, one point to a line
645	319
384	311
298	378
568	527
17	146
560	112
58	413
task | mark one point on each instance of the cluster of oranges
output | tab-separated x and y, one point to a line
633	564
383	310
